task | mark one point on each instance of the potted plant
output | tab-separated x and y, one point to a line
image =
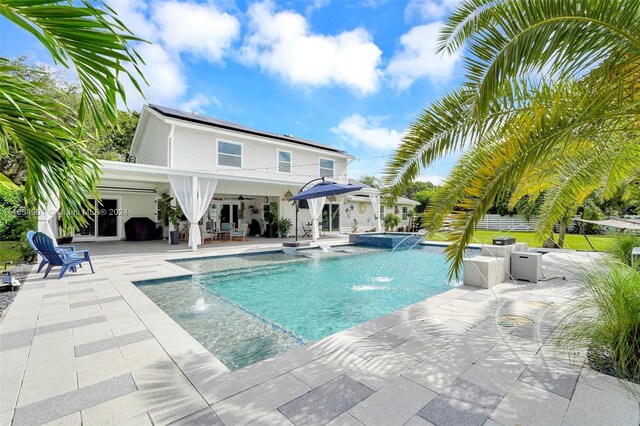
391	220
170	214
175	213
284	226
271	216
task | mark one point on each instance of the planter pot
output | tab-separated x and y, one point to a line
174	236
64	240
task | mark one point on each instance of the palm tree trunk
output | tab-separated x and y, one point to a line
564	224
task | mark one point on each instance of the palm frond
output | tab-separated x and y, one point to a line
57	164
88	39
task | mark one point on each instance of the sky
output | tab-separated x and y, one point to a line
351	74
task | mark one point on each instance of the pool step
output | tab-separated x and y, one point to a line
216	276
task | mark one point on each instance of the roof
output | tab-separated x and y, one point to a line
228	125
403	200
399	200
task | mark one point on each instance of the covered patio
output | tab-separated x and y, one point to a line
208	200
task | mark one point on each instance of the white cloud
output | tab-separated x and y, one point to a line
198	29
173	29
162	71
281	43
419	58
133	14
315	5
198	102
358	130
429	10
434	179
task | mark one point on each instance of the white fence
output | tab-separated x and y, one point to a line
495	222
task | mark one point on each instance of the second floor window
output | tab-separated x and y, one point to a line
326	168
229	154
284	162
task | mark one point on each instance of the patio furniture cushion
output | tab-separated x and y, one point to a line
241	232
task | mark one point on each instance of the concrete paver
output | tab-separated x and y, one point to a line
443	356
526	404
394	404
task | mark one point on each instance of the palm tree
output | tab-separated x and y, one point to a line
90	40
371	181
543	79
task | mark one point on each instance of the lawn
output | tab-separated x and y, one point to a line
572	241
9	252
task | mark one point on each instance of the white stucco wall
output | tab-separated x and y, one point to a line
197	149
153	145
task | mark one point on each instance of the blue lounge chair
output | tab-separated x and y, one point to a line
30	235
64	259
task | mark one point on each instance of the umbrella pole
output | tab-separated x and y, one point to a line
296	221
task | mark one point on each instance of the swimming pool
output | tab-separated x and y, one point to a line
247	308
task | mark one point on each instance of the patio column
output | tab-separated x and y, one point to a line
47	209
375	204
194	229
173	204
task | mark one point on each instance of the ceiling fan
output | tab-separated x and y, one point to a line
240	198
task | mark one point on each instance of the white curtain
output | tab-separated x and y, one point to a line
315	208
375	204
194	196
46	211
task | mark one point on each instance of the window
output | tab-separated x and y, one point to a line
405	213
326	168
284	162
229	154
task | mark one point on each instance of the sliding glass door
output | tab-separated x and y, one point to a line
102	222
331	217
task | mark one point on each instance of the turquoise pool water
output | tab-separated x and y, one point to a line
247	308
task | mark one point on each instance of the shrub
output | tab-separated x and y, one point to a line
12	223
284	226
391	220
622	245
606	321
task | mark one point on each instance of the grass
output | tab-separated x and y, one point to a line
606	322
9	252
572	241
623	245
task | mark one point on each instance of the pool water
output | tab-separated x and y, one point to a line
247	308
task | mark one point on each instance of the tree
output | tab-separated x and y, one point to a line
543	78
411	189
424	197
97	47
112	144
371	181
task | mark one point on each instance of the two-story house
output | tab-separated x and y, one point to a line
228	172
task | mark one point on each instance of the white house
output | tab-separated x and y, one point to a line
222	172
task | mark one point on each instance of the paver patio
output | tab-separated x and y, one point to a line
93	349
